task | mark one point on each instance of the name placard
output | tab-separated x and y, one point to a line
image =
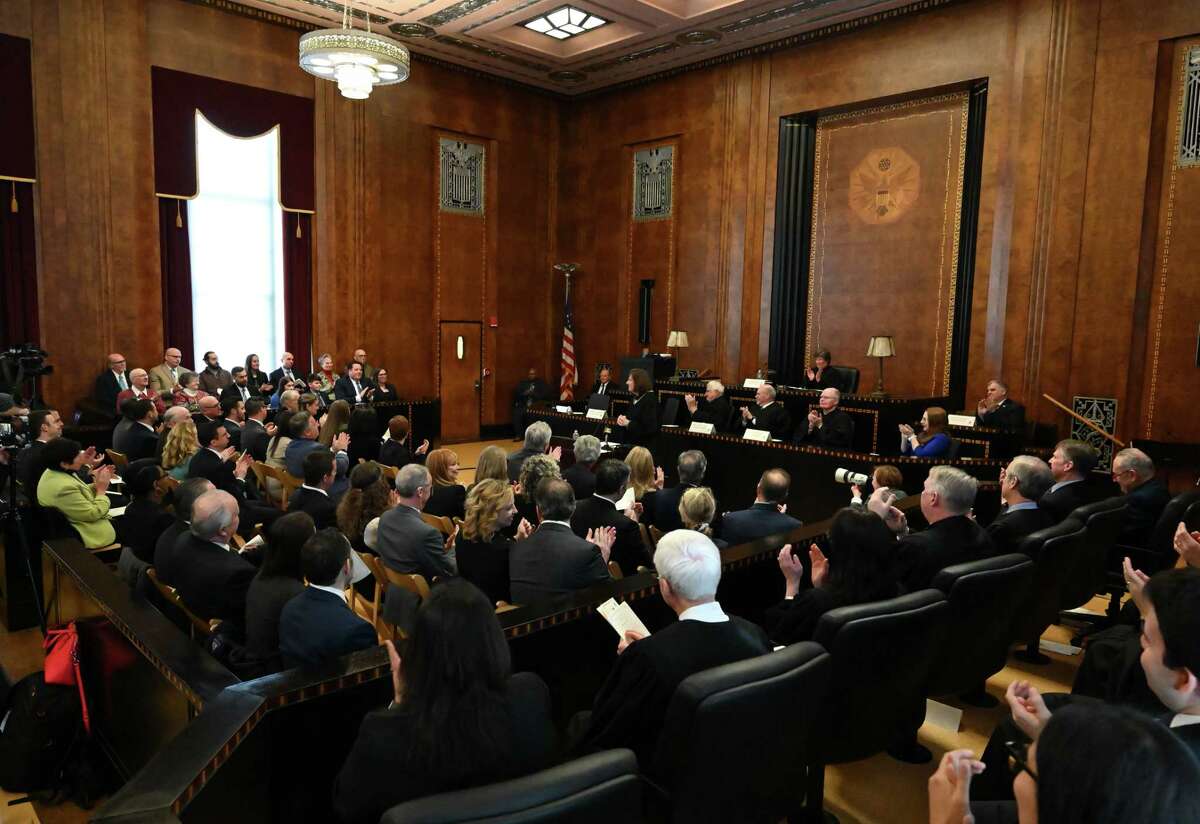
761	435
595	414
753	383
562	409
702	428
960	420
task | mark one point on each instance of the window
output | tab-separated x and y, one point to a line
236	238
564	22
1189	112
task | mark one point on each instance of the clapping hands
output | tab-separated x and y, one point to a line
603	537
341	441
949	788
424	447
1187	544
1029	711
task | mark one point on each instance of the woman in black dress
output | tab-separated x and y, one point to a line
859	571
482	546
384	391
364	436
279	579
448	497
821	375
641	421
395	451
257	381
368	497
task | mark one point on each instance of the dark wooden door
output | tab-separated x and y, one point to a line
461	365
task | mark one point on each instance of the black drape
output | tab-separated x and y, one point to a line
175	253
18	250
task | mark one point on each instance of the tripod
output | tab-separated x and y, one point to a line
11	515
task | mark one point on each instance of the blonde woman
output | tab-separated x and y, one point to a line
644	478
697	508
337	421
180	446
492	465
482	546
448	497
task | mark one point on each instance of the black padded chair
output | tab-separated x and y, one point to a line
886	648
596	789
670	412
759	716
953	450
1159	552
1052	551
847	379
984	597
1094	557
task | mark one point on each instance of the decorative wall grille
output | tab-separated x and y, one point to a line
653	178
461	176
1103	413
1189	112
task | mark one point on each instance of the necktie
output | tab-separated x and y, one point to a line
121	381
174	374
245	393
602	388
357	391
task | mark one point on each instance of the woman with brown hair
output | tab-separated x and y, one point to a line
368	497
337	421
395	450
491	465
641	422
482	547
932	441
448	497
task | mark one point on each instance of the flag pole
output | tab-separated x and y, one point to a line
568	348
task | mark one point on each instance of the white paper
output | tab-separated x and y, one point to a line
960	420
702	428
1061	649
257	540
942	715
626	500
762	435
753	383
562	409
595	414
358	570
116	511
621	618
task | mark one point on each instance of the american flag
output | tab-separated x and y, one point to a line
566	390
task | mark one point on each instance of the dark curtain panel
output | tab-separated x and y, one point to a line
17	158
297	287
176	256
18	265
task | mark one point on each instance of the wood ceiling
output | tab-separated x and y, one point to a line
643	37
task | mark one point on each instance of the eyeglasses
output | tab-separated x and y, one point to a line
1118	473
1018	758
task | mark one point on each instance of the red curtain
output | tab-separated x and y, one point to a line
297	287
175	252
18	250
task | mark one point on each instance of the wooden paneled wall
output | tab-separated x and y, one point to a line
1069	251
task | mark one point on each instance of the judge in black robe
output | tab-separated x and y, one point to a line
713	408
827	425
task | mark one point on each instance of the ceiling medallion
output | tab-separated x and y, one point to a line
357	60
412	30
699	37
567	77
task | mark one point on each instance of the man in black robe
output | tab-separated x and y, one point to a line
827	425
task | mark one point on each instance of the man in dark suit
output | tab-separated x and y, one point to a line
715	409
239	389
216	462
1071	465
353	387
211	578
1022	483
313	496
318	625
1145	496
214	379
951	538
828	426
603	384
186	495
407	544
529	392
767	413
286	371
581	475
768	515
139	440
111	382
304	440
537	438
553	562
998	410
630	708
44	426
233	416
256	433
691	467
600	510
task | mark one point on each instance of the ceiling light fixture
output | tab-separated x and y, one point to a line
564	22
357	60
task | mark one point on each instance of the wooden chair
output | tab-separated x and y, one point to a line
647	541
120	459
261	473
444	525
383	629
656	534
614	571
415	584
389	472
287	483
198	625
505	606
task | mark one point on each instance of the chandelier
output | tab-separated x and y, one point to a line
357	60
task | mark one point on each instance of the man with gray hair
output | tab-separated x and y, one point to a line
1145	496
714	410
827	425
1022	484
211	578
631	705
997	409
767	413
581	475
407	544
691	467
537	438
952	537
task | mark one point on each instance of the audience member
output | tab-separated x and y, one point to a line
139	388
998	410
537	439
828	426
44	426
174	415
259	382
449	496
1022	484
395	450
313	495
715	409
767	413
181	445
385	390
317	625
286	373
288	404
353	387
189	394
491	465
553	563
240	388
164	548
1145	496
767	516
600	510
630	707
209	409
336	422
165	377
882	475
368	371
697	509
214	379
279	580
212	579
84	505
364	435
581	475
482	546
534	470
641	418
459	717
1071	465
233	417
932	441
368	497
215	460
110	383
691	467
645	479
145	519
321	383
858	572
304	440
256	432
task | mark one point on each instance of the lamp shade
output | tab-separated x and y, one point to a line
677	338
881	346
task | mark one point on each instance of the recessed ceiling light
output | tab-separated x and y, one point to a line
564	22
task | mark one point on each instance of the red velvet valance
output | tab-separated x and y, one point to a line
243	111
17	158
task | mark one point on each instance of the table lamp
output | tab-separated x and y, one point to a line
881	346
677	339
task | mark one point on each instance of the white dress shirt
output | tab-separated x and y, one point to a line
710	613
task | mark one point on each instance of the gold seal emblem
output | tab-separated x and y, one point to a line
884	185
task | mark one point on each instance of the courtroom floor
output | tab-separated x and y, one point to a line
878	790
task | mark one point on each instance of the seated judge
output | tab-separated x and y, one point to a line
481	546
932	441
664	515
600	510
313	495
767	413
1145	496
641	418
553	563
952	536
767	516
715	409
279	580
581	475
396	451
449	497
139	388
827	425
84	505
240	388
537	439
140	440
1022	483
603	384
110	383
530	392
385	390
459	717
317	626
882	475
631	705
353	387
1071	465
211	579
822	374
213	378
859	571
165	376
998	410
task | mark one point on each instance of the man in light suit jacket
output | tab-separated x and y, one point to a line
306	441
767	516
318	625
165	376
554	562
